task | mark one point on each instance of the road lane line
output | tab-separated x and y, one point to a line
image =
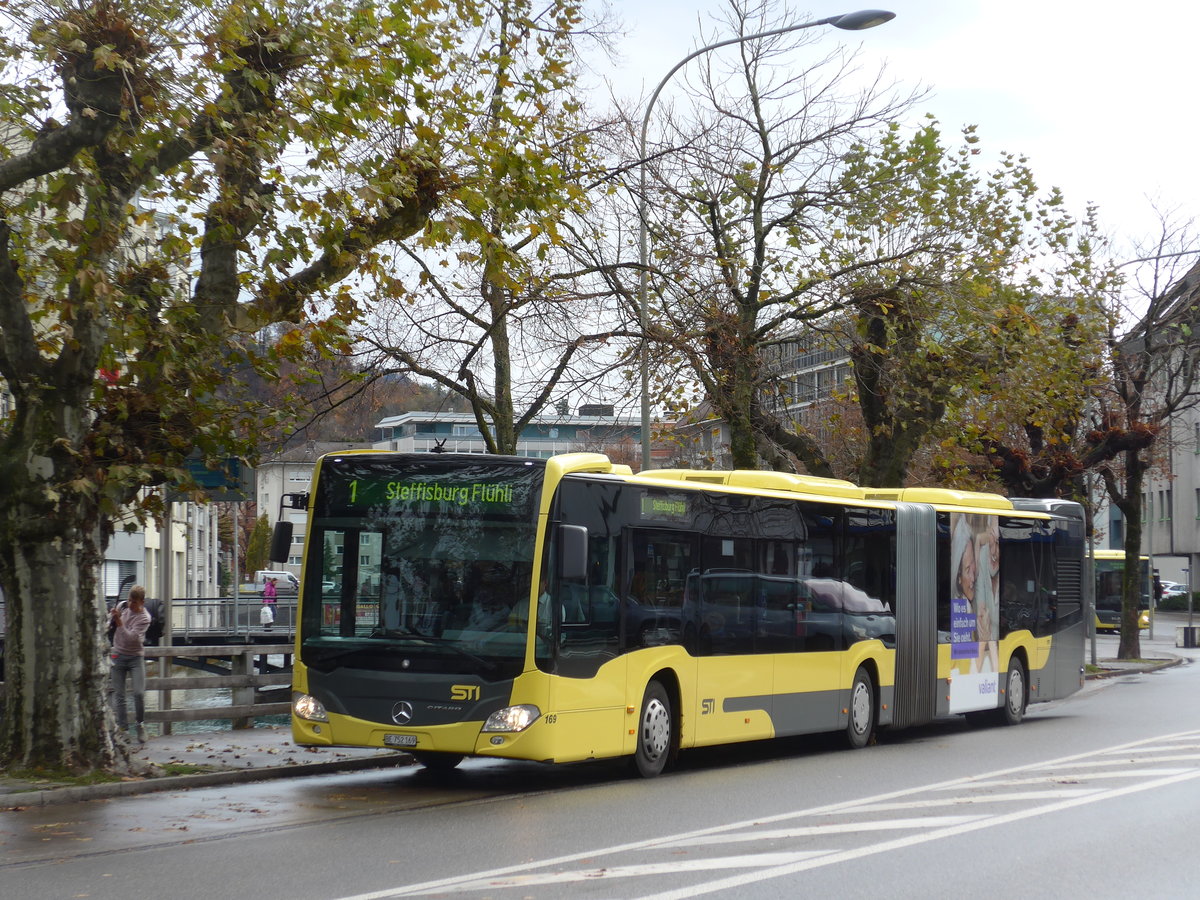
745	861
1014	797
912	840
780	834
449	882
1061	778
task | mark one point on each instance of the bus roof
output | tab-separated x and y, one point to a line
836	489
1116	554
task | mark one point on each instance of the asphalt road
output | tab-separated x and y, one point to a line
1097	795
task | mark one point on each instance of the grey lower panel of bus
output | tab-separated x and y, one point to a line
1062	675
915	699
803	713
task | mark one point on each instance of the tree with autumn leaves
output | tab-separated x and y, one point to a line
789	203
174	178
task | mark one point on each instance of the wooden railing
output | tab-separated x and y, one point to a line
244	679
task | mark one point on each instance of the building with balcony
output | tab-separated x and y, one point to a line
545	436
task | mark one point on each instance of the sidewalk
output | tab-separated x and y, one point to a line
180	761
1151	662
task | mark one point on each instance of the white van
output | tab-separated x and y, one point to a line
285	582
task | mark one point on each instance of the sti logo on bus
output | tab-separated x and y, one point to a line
708	707
464	692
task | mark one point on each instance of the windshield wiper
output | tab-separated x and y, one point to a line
402	631
330	654
460	650
405	633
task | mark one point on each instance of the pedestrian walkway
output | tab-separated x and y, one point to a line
178	761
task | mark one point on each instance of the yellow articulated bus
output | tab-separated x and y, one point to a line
566	609
1110	571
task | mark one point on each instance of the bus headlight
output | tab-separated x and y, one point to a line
308	707
512	718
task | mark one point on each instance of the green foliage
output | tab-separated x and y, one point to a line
987	311
175	177
1178	603
791	215
494	310
258	546
252	153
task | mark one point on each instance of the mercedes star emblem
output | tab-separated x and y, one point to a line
402	712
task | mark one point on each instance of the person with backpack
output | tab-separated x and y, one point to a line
129	622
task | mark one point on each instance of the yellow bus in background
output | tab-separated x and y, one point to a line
567	609
1110	570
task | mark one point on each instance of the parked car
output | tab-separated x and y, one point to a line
1174	589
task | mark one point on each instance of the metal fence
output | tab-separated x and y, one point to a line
194	617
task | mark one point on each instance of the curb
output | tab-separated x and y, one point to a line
76	793
1136	670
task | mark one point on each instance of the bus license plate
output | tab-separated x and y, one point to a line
400	740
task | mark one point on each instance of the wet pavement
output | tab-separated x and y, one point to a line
178	761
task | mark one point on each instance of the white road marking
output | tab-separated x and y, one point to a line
1164	747
747	861
780	834
1015	797
1068	798
912	840
1062	778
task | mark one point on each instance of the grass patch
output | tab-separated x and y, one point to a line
61	776
185	769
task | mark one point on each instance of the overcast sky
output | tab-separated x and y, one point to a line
1099	96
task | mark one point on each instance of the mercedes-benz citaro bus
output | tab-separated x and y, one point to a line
566	609
1110	571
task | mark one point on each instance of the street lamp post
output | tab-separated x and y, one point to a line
855	21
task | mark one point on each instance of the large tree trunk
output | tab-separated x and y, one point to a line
1130	646
55	664
51	545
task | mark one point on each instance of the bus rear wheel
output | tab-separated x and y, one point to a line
655	733
438	762
1015	695
860	724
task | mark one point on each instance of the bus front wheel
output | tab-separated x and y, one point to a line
655	733
860	724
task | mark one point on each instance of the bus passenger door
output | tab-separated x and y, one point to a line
735	683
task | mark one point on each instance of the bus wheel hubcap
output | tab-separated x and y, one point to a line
656	729
1016	691
860	708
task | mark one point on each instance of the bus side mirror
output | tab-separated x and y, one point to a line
572	552
281	541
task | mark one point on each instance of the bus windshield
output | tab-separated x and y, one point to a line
1109	575
420	563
